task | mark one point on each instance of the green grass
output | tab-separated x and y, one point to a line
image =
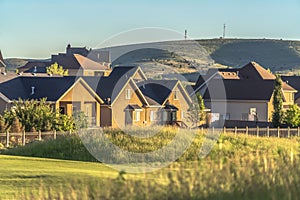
238	167
26	174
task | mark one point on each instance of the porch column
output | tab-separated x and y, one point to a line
97	114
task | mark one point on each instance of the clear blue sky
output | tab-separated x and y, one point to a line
37	29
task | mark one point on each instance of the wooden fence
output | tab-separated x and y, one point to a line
8	139
261	131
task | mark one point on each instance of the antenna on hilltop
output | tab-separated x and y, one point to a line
224	30
185	34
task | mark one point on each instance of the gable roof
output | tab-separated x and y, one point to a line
89	64
111	87
253	70
219	89
52	88
157	91
127	71
77	61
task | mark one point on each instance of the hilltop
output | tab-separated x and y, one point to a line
278	55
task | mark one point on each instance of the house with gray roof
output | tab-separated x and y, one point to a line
244	94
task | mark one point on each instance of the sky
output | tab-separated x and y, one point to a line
37	29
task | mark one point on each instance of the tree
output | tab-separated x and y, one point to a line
57	69
196	110
277	116
32	114
292	116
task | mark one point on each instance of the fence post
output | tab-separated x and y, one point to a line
40	135
224	129
202	131
213	130
7	139
257	131
268	131
278	132
247	130
235	131
23	138
54	134
289	132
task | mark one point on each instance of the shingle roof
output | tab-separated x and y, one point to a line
157	91
30	65
133	107
253	70
77	61
239	90
106	87
89	64
50	87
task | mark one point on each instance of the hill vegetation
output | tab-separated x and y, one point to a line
238	167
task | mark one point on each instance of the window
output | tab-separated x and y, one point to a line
176	92
137	116
252	111
128	94
62	110
152	113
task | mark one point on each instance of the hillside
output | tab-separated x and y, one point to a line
278	55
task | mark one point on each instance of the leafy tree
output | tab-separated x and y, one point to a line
196	110
292	116
64	123
277	116
32	114
57	69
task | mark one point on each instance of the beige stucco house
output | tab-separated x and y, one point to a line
244	94
66	94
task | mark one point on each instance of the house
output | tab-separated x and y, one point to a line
123	101
168	101
293	81
78	65
79	61
244	94
2	64
66	94
131	99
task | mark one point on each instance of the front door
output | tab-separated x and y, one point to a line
128	117
172	116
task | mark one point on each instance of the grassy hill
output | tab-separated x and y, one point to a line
277	55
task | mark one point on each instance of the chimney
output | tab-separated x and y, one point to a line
32	90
